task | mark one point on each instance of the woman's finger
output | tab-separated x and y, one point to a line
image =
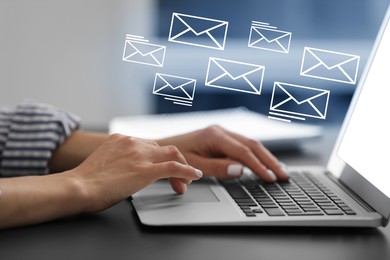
264	155
221	168
178	186
172	169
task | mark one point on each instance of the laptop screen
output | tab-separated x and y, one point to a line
366	141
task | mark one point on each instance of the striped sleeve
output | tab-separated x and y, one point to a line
28	136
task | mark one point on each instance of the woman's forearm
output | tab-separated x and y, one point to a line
34	199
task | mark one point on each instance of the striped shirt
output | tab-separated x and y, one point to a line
29	134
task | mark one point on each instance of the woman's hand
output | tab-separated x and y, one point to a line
124	165
117	169
221	153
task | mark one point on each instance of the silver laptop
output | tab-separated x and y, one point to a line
353	190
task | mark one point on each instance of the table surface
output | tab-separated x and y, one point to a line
117	234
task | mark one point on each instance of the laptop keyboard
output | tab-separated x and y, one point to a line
302	195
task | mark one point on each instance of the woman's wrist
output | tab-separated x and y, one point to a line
75	150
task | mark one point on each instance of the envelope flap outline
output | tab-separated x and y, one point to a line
331	59
236	70
176	83
199	25
271	35
145	49
299	96
314	105
180	82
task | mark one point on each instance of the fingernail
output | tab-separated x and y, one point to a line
235	170
283	167
198	173
271	175
247	171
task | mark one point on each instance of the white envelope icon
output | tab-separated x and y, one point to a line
234	75
198	31
175	88
263	36
330	65
139	50
299	100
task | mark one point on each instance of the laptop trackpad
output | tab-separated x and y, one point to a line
163	194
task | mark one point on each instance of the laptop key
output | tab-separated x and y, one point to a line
250	214
274	212
312	210
293	210
345	207
306	214
350	212
265	201
257	210
305	202
243	200
309	206
290	207
250	204
268	206
287	204
333	212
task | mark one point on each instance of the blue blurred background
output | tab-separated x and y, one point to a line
345	26
69	53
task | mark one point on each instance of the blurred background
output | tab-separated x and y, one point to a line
69	53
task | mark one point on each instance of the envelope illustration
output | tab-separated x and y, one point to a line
180	90
139	50
198	31
264	36
234	75
299	100
330	65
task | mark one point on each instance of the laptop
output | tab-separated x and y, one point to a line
353	190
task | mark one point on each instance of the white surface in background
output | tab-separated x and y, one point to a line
239	120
